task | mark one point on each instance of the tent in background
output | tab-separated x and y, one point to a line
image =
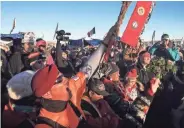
83	43
74	44
13	36
94	42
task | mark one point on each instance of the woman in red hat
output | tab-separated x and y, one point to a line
131	88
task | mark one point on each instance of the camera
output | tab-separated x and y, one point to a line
62	35
42	57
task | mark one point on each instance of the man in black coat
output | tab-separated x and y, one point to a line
144	76
166	100
63	63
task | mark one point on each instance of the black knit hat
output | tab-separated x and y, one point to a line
113	68
165	36
38	39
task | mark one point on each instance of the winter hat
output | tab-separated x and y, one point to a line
41	43
38	39
19	86
29	38
165	36
146	54
132	73
44	79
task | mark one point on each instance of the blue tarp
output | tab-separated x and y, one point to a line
77	43
80	43
94	42
13	36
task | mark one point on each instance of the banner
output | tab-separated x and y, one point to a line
13	36
137	22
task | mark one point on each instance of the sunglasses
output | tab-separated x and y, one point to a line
43	46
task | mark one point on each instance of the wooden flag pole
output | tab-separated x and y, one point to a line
111	35
124	8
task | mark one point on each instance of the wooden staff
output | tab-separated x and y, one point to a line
112	38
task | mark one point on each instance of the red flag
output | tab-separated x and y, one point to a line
136	23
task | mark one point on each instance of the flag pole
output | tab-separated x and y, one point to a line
112	34
13	27
153	37
56	30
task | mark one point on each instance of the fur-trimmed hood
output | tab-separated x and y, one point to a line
19	86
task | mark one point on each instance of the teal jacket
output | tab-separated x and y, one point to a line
170	53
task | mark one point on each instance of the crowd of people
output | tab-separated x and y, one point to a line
61	88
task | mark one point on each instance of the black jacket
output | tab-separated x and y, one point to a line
159	114
64	66
144	76
120	107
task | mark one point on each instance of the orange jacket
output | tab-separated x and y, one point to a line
77	85
66	118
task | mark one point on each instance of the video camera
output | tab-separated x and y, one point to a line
62	36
